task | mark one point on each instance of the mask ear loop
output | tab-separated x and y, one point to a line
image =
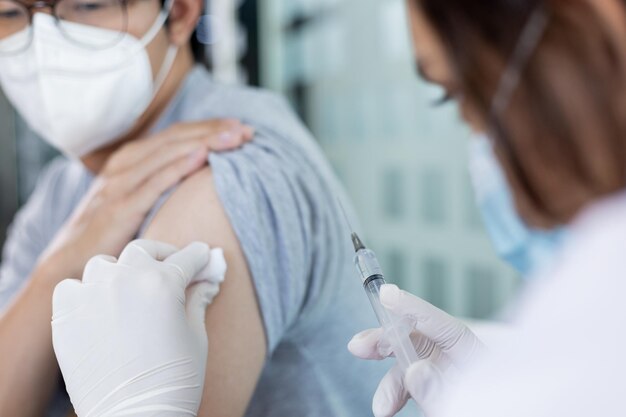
172	50
526	47
166	67
158	24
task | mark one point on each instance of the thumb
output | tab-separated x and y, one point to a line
199	296
390	396
425	383
190	261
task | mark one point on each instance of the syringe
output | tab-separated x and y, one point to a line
397	330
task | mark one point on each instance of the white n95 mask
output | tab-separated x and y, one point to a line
80	99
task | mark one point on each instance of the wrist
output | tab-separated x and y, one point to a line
52	269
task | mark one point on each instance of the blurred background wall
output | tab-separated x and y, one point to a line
346	67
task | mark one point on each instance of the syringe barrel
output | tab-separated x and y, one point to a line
372	289
397	330
367	265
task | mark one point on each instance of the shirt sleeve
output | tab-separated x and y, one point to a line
30	232
268	203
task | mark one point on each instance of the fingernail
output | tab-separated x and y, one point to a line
364	334
196	157
226	137
389	295
249	131
352	342
359	336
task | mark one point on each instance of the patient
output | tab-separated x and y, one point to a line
277	330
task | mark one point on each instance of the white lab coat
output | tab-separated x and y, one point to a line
567	355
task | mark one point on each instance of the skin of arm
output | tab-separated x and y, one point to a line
36	370
237	342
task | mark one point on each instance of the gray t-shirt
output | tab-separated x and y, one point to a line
280	196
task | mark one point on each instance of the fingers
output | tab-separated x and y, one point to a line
141	171
426	348
390	397
199	297
142	248
219	134
366	345
449	333
160	160
153	161
142	254
228	132
230	139
425	383
66	297
190	261
144	198
372	344
99	268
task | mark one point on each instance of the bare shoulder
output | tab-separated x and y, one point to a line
236	334
193	212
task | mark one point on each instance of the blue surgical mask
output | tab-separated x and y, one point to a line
526	249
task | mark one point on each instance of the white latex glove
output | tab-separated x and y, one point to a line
444	344
129	339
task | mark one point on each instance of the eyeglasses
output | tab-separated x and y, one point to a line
16	22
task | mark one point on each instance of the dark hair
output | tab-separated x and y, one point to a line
197	47
562	138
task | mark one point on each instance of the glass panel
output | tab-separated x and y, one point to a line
393	197
481	291
435	276
432	197
395	267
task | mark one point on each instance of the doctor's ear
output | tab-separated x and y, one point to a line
183	19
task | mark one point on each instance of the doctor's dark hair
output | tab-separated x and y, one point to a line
562	138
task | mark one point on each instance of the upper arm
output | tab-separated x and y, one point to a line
237	342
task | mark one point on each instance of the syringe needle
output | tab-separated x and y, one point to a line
345	215
356	241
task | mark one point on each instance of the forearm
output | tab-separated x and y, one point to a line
28	366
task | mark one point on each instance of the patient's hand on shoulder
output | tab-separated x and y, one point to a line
129	185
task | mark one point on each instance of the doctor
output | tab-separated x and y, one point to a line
544	82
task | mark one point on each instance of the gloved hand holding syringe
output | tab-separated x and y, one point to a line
397	329
431	347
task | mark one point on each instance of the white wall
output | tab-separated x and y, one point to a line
402	160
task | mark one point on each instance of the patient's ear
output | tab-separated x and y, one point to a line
183	20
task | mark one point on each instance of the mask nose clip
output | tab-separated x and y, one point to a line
39	7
